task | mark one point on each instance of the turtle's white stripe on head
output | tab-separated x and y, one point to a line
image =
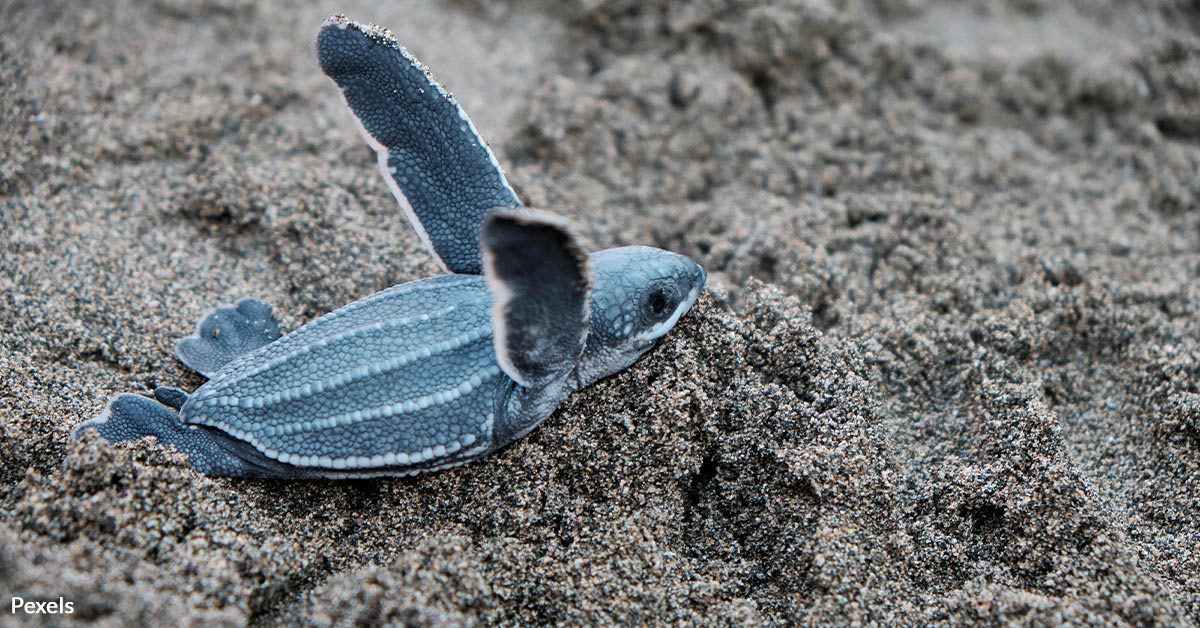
661	329
639	295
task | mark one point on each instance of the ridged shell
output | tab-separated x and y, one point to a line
407	376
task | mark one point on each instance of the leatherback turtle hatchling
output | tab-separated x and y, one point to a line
429	374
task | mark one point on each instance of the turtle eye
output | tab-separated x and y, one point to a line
656	303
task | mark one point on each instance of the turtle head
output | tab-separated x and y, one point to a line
638	294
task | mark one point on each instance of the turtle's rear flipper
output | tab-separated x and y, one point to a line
171	397
210	451
226	333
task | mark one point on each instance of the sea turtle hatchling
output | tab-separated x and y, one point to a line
429	374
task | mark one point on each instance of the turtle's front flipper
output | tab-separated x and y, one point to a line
540	279
226	333
210	451
441	172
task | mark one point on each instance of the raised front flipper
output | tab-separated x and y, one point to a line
210	451
226	333
540	280
441	172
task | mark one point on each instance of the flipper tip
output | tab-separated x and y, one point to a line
95	422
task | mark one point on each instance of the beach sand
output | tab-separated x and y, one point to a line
947	373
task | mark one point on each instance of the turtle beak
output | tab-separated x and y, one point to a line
699	278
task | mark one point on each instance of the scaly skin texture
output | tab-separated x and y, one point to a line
440	170
404	378
640	293
430	374
401	382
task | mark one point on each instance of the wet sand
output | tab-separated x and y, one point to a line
948	371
